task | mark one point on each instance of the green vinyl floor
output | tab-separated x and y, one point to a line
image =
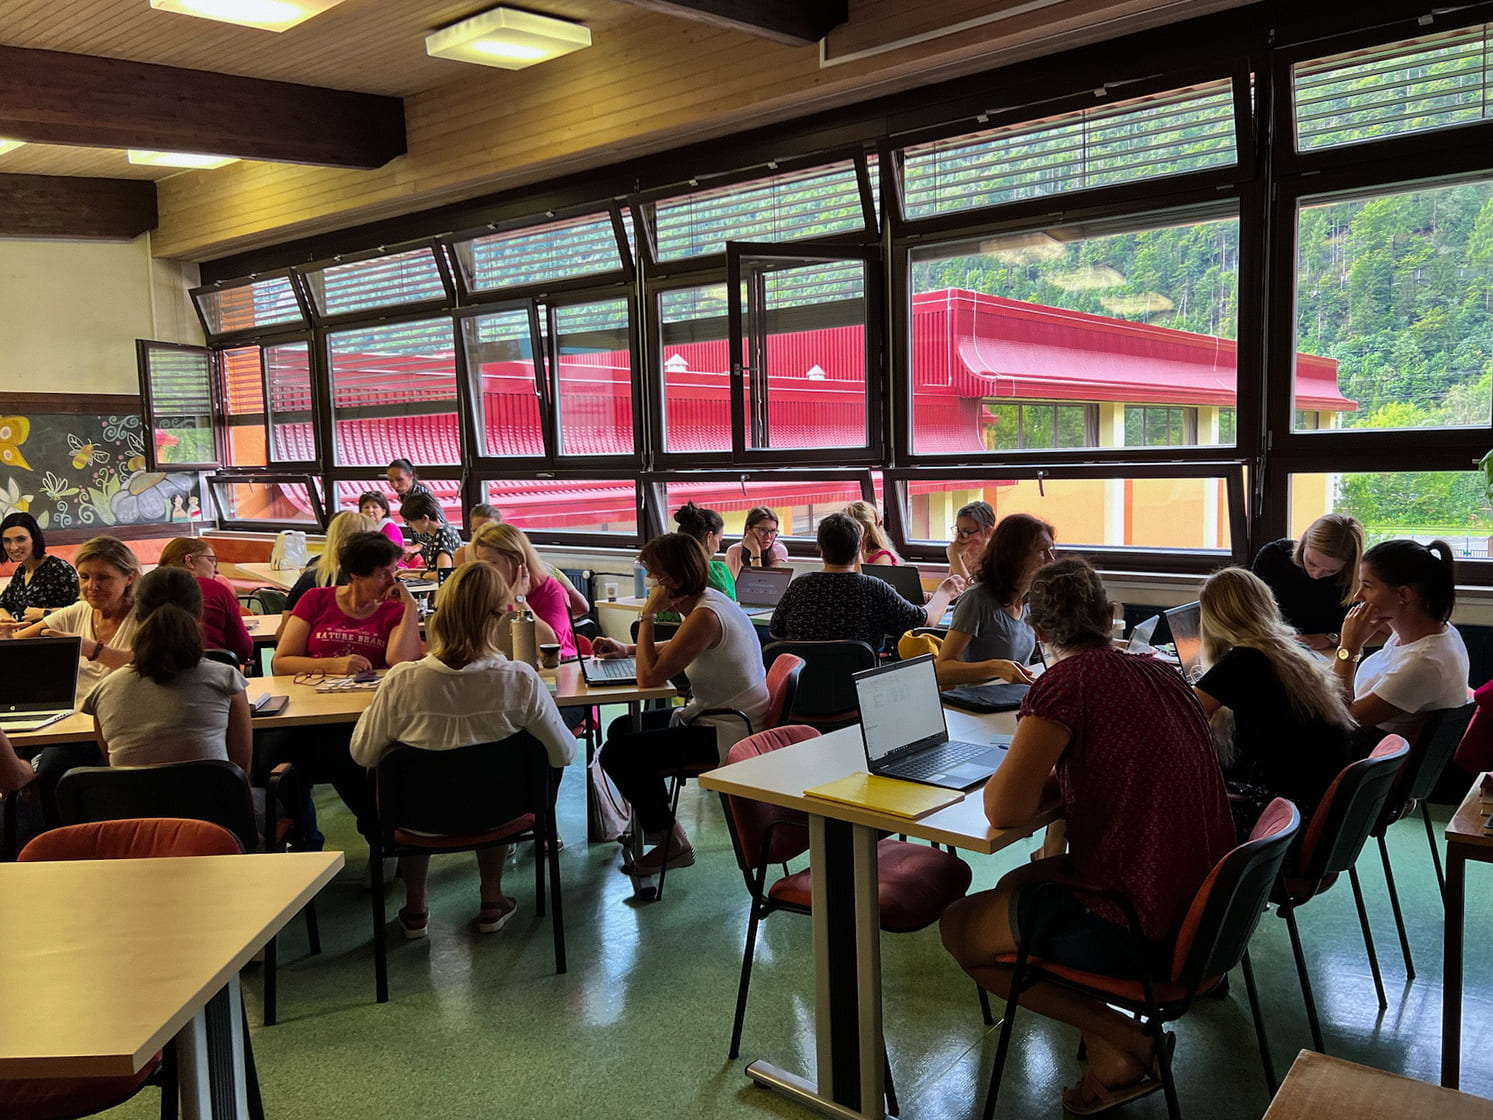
480	1026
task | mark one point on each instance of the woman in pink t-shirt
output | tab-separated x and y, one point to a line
509	550
1147	816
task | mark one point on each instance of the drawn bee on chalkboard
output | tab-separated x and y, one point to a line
85	455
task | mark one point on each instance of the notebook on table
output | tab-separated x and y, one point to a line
38	680
609	671
905	734
758	590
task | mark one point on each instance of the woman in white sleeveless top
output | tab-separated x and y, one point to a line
717	647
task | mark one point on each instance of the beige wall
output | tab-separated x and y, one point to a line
70	312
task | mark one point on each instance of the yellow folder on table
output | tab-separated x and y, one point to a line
886	795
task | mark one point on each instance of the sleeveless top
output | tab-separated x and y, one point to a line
729	674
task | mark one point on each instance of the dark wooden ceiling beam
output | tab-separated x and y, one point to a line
63	206
794	22
49	97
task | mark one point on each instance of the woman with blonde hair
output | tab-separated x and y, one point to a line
222	621
1291	727
528	577
1314	579
876	547
463	691
323	570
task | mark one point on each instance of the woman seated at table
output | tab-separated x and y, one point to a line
876	548
1406	592
222	622
1314	579
527	577
1146	815
438	541
323	570
171	704
374	506
462	692
1290	727
718	647
989	637
104	618
973	525
707	527
759	546
40	583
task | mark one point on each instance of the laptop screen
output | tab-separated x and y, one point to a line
38	674
1186	626
900	706
1140	637
904	579
762	587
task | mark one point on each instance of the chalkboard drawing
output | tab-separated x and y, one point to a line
13	433
12	500
146	496
194	508
85	455
177	510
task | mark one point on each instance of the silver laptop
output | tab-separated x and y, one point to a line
609	670
1140	637
906	736
758	590
904	578
38	680
1187	635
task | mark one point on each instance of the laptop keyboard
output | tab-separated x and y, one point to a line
938	761
615	669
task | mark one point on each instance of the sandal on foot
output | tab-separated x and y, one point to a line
1091	1095
652	863
414	925
495	915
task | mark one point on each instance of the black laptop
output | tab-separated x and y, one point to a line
38	680
906	736
904	579
603	671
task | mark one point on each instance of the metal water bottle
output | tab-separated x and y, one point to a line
525	647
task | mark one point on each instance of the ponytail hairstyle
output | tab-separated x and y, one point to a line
344	525
1237	608
873	536
168	609
1427	568
180	551
1069	605
697	522
1341	537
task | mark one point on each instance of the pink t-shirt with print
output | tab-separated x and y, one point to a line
335	634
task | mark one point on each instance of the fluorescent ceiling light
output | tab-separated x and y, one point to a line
507	39
9	145
267	15
178	159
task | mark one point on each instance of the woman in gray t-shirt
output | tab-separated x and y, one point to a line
171	704
989	637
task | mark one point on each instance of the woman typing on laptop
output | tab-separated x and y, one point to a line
1147	815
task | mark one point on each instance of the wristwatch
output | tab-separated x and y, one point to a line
1346	654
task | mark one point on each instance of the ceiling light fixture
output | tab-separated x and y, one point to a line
508	39
9	145
147	158
267	15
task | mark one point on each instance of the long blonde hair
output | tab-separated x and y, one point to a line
1341	537
1238	609
469	607
503	537
344	525
873	536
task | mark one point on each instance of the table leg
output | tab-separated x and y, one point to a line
1451	968
210	1058
847	978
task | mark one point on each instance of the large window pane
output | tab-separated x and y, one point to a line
394	394
241	390
277	501
1151	137
696	365
178	382
292	434
799	504
1097	320
571	506
1425	505
391	280
595	383
500	362
1394	302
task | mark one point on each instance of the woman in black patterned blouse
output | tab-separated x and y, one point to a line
40	582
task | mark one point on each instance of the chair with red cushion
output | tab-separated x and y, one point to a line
1330	845
915	883
1214	937
61	1098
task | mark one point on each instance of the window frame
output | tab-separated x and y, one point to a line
231	339
475	491
301	275
237	477
144	347
467	296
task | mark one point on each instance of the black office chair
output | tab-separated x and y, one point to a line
204	790
826	698
462	800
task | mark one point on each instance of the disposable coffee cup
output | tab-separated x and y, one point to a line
611	590
549	655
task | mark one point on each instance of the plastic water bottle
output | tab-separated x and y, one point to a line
639	582
525	648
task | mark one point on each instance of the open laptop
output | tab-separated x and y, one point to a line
759	589
609	671
38	680
906	736
1187	635
1140	637
904	579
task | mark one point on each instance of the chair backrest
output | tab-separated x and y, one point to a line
1227	908
1434	745
462	792
147	838
826	690
226	656
787	830
1346	816
206	790
782	687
